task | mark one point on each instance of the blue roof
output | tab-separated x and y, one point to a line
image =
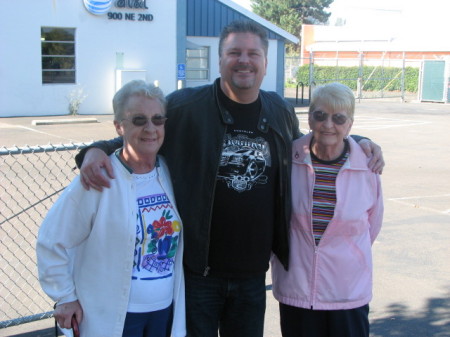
208	17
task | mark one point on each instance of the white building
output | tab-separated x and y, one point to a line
52	49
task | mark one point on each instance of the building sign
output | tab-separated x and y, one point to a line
131	4
101	7
97	7
181	73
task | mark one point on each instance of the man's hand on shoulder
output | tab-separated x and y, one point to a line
91	174
376	163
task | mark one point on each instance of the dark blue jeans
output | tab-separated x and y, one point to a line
298	322
149	324
233	306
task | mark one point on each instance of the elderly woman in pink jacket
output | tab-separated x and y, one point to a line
336	216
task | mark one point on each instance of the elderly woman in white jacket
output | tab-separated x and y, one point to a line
113	259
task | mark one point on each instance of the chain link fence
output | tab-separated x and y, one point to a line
385	79
31	179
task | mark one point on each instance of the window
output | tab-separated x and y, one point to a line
58	55
197	63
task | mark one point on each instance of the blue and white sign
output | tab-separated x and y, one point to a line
98	7
181	71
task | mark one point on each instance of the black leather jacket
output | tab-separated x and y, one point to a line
194	136
199	123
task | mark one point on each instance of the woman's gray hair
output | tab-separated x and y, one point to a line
335	96
136	88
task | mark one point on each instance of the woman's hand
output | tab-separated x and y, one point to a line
376	163
63	313
91	173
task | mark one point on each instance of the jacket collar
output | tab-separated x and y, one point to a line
301	154
224	113
125	165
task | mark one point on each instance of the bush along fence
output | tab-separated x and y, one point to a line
368	78
373	78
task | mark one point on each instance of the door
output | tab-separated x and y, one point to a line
433	81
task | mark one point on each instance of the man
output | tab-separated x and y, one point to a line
228	147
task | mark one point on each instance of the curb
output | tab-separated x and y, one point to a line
301	110
64	121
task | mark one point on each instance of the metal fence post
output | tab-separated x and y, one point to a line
402	82
360	80
311	73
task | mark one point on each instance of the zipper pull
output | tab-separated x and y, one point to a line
206	272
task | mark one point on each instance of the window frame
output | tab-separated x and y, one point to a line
58	58
206	69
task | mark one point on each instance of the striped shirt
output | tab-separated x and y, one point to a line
324	192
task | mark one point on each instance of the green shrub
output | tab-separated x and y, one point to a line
374	78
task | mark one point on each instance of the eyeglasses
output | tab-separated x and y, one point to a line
321	116
157	120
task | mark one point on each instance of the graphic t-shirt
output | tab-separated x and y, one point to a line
243	211
157	236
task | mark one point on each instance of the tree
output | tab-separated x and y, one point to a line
291	14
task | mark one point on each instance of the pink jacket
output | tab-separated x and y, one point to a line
336	274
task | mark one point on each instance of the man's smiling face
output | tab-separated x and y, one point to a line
243	64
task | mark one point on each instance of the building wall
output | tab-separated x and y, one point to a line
329	44
151	50
143	45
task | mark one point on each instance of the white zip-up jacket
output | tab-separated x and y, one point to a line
85	251
337	273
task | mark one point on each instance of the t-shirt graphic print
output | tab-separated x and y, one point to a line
244	161
157	237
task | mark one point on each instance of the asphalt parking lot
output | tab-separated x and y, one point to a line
411	254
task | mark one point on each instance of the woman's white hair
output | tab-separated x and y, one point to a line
136	88
335	96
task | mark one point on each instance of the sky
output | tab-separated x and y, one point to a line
405	17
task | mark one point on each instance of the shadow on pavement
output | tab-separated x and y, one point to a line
433	322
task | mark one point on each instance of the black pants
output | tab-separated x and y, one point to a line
299	322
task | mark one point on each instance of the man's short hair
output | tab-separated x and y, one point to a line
244	26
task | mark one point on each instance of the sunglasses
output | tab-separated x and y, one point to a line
157	120
321	116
